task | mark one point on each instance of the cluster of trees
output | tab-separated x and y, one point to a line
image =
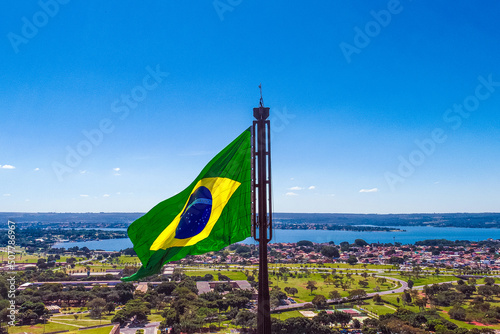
405	321
32	301
187	312
137	309
478	309
317	325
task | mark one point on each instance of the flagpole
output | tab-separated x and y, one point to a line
262	217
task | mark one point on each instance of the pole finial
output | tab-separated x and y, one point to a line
261	99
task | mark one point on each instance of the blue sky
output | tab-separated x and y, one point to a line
376	107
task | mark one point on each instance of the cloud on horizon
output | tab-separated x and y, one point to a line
7	167
291	194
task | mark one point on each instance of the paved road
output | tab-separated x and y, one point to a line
403	287
150	328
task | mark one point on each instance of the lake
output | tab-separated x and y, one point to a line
412	234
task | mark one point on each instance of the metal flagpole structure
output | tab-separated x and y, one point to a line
262	209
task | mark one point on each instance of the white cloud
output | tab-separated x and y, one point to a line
312	187
105	195
27	200
373	190
291	194
116	169
7	167
36	169
84	195
6	195
83	172
296	188
292	178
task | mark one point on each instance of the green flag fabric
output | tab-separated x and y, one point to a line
210	214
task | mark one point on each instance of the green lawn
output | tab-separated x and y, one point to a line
286	315
39	328
378	309
305	295
20	256
425	280
231	274
392	298
155	316
82	322
128	259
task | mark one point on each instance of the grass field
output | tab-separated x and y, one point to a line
304	295
231	274
426	280
378	309
20	257
286	315
125	259
39	328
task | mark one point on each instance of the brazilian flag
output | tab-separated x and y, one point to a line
210	214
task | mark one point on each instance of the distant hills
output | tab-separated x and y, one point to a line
123	219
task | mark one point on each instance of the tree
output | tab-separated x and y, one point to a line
486	291
363	284
166	288
360	242
489	280
421	302
381	280
319	301
291	291
357	294
341	317
96	307
410	283
245	319
406	297
334	294
306	243
352	260
330	251
110	307
170	316
457	313
344	246
298	325
30	312
466	289
311	285
377	299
